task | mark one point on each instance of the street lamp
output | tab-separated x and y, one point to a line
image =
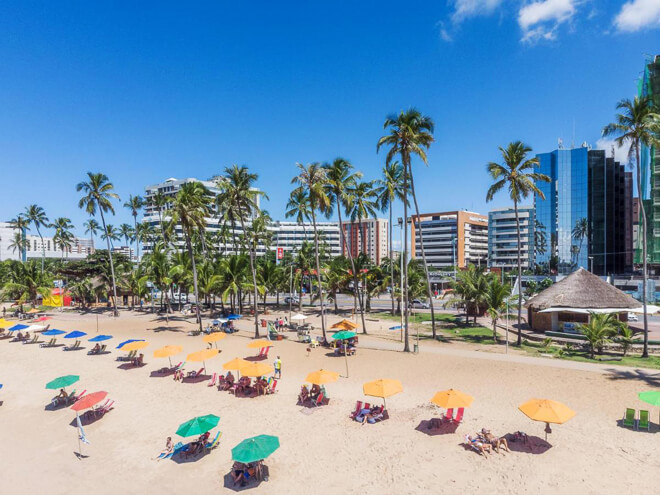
400	223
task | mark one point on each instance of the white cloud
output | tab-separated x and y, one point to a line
620	153
464	9
540	19
638	14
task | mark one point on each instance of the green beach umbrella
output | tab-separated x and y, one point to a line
198	425
255	448
651	397
343	335
62	382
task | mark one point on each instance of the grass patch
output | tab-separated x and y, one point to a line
451	326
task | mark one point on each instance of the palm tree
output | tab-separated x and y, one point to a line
63	237
98	196
18	244
191	207
36	216
639	125
160	201
312	178
111	233
21	224
298	207
91	227
411	133
134	205
240	199
340	183
579	233
518	175
599	331
127	232
389	189
496	296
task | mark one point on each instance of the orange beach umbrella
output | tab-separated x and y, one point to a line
135	346
382	388
260	343
452	399
214	337
256	369
547	411
202	355
235	364
344	325
167	351
322	377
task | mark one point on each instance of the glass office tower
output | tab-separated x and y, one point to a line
565	204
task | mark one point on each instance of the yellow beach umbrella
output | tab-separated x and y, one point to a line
135	346
34	310
202	356
451	399
256	369
383	387
547	411
167	351
344	325
235	364
214	337
321	377
260	343
5	324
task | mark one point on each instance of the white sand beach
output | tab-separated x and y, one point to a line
322	450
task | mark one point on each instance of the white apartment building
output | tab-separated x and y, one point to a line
7	233
452	238
291	235
371	231
79	249
503	238
126	251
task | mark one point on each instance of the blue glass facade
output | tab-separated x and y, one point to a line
566	202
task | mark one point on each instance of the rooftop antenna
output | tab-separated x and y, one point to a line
560	143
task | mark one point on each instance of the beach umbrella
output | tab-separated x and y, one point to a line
651	397
53	332
256	369
74	335
168	351
4	323
34	310
255	449
398	327
343	335
35	328
260	343
344	325
100	338
17	327
202	356
62	382
214	337
382	388
234	317
128	342
43	318
322	377
89	401
218	322
135	346
298	317
198	425
235	364
547	411
451	399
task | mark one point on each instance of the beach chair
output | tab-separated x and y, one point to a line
76	398
192	374
319	400
459	415
643	422
213	380
214	443
175	450
76	345
271	388
449	415
629	418
34	340
107	407
50	343
103	348
358	408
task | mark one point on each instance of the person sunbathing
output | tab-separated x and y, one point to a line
138	361
61	397
362	415
238	473
478	444
495	442
304	394
26	337
169	448
19	336
261	385
96	349
229	381
198	445
315	392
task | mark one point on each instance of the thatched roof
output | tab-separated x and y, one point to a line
582	289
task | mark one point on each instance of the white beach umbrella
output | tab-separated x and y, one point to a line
299	316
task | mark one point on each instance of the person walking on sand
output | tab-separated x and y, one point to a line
278	368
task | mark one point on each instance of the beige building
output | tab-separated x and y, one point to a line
369	237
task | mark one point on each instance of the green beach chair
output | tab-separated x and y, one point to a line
629	418
643	422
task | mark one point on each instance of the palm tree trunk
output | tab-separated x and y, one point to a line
645	351
391	260
426	268
112	265
361	292
43	249
406	344
194	269
519	340
137	241
254	287
318	273
350	258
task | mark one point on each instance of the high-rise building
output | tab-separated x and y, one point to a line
291	235
368	236
649	85
503	237
7	235
80	248
583	216
452	238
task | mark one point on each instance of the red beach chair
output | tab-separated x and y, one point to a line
449	415
459	415
213	379
358	407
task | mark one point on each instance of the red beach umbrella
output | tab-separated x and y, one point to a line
89	401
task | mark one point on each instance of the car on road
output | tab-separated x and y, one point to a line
291	299
418	304
632	317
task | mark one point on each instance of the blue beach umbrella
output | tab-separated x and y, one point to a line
100	338
234	317
75	335
54	332
128	342
17	327
398	327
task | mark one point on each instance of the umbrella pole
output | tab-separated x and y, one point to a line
346	359
170	361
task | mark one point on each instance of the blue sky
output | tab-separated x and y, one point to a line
173	90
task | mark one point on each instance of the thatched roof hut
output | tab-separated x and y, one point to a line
573	298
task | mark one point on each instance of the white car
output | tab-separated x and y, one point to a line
632	317
419	304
